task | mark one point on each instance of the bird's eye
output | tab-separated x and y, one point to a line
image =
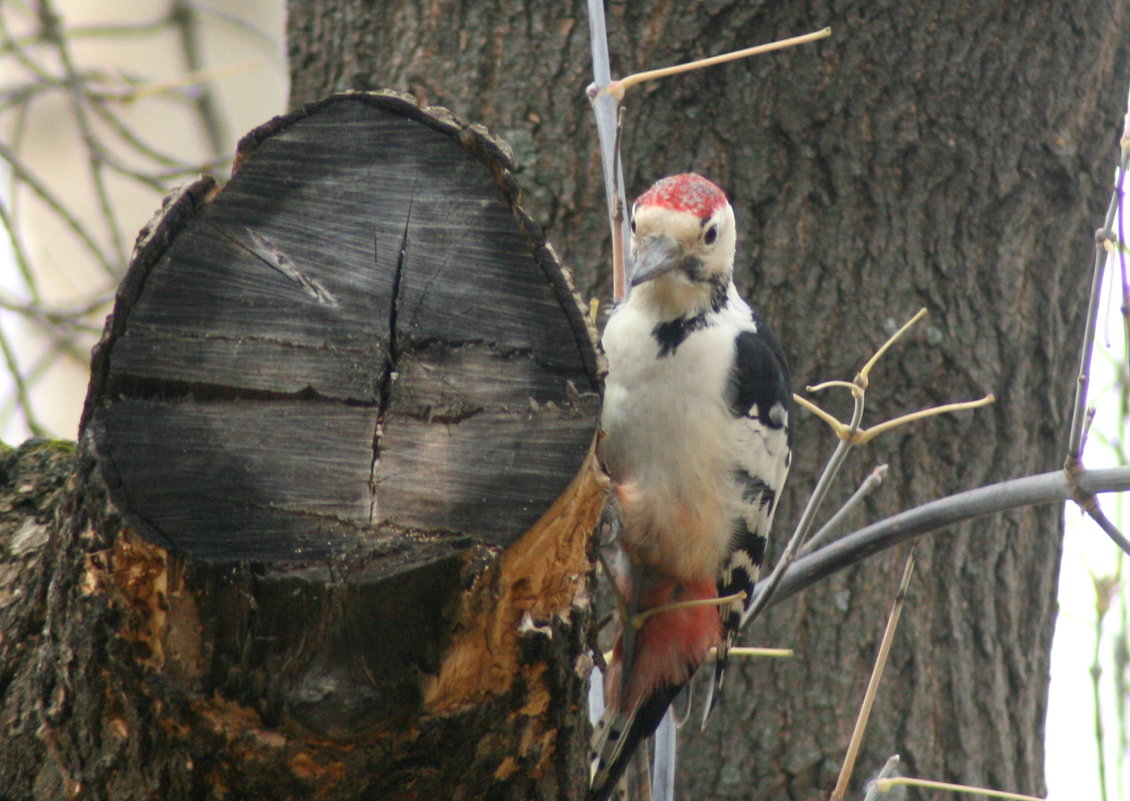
710	235
632	224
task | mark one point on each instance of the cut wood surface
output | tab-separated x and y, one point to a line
362	333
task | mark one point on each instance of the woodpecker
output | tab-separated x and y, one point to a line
697	443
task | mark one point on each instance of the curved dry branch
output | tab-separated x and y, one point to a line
1051	487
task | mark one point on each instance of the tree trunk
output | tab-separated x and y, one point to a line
953	156
327	530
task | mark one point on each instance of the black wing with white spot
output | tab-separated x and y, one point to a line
760	398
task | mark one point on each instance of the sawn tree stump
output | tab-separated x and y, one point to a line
328	537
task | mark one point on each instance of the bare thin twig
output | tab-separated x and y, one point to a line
889	767
666	757
865	372
606	96
873	683
21	388
640	618
869	485
1111	530
869	434
1104	588
642	773
606	110
234	20
183	17
764	593
1090	504
1124	309
885	785
618	88
620	255
849	434
773	653
23	263
1102	236
1087	422
53	34
24	175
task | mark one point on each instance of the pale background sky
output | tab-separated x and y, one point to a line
1088	553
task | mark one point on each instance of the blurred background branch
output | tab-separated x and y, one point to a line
104	108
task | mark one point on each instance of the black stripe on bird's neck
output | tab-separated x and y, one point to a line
719	284
719	291
669	335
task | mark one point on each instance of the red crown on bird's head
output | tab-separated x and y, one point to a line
687	192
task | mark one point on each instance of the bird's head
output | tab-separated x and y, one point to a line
683	239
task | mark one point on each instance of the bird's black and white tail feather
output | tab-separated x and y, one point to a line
615	739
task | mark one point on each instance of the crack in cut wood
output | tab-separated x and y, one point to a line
389	371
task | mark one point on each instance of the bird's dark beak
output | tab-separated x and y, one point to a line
655	256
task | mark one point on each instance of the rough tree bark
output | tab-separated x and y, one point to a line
954	156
